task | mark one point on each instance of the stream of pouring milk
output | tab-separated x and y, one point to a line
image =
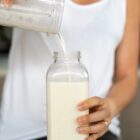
62	43
64	51
62	101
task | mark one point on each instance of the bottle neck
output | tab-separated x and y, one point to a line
67	57
67	60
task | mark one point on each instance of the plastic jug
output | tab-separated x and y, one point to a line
37	15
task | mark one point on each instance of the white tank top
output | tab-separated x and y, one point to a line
95	30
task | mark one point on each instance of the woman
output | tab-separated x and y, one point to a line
106	33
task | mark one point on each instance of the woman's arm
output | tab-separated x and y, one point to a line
125	82
127	55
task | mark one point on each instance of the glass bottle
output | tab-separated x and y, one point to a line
37	15
67	86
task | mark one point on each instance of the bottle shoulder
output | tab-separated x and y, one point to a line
64	71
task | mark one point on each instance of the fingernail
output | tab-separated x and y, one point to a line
77	129
79	121
80	129
80	107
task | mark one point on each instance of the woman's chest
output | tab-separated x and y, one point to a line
93	25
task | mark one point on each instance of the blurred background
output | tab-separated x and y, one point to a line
130	118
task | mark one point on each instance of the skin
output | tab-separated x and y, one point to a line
82	2
124	86
8	2
139	31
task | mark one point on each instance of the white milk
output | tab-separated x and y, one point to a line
64	51
62	100
62	43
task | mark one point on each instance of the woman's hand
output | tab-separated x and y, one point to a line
8	2
95	123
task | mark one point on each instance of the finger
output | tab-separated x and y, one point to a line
8	2
90	103
92	137
96	136
93	117
93	129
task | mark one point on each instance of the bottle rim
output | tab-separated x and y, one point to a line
73	54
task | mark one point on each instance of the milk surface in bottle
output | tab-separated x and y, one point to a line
67	86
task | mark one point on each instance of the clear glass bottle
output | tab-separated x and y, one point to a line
37	15
67	86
